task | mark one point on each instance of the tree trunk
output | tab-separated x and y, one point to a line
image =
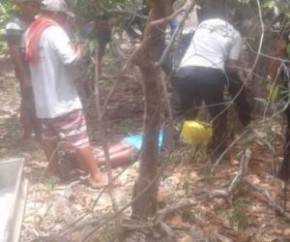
146	186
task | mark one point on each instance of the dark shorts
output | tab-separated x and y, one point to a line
70	130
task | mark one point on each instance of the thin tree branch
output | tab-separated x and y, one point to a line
169	46
167	19
103	138
260	42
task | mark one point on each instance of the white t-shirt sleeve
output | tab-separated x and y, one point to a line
235	50
63	46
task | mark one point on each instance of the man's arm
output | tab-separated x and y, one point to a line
14	32
68	53
232	63
19	65
232	66
236	86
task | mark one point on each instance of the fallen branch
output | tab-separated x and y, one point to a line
240	176
267	198
167	229
242	171
202	223
121	210
184	203
168	18
72	225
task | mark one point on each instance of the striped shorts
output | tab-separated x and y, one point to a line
70	130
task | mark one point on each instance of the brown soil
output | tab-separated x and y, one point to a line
57	211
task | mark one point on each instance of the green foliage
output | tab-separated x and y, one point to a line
5	7
125	4
89	8
51	181
277	6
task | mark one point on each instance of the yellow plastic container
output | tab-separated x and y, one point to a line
195	132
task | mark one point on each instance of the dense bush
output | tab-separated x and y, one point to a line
6	6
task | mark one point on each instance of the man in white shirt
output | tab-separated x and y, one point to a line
51	57
201	76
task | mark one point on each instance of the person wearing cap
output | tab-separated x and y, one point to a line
15	28
52	58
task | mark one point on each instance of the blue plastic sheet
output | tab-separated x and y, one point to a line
136	140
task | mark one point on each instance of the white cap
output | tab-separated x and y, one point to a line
56	6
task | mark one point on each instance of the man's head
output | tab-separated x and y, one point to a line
57	10
29	8
224	9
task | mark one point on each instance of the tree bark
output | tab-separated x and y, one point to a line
146	186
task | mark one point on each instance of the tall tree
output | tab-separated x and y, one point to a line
148	54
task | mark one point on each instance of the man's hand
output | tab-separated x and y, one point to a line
79	51
232	66
25	83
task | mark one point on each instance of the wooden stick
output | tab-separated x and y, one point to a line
279	209
167	19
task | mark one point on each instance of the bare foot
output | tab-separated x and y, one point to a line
101	181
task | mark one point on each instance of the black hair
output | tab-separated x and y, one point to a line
223	9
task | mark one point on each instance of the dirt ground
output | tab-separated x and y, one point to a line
68	211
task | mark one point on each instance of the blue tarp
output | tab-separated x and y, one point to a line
136	140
